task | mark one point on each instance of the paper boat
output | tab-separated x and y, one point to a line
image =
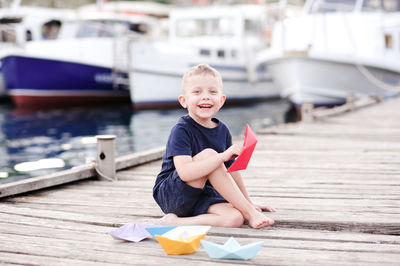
159	230
231	250
131	232
249	144
178	240
184	245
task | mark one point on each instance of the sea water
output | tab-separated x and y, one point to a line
39	142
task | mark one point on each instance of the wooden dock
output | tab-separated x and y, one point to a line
335	183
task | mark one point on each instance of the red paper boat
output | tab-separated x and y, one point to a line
249	144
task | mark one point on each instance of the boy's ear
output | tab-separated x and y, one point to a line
223	98
182	101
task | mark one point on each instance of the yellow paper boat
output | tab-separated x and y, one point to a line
184	245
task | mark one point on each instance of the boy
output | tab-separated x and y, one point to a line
193	186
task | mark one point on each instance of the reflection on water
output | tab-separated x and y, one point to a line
34	143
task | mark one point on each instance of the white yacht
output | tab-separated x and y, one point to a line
226	37
337	47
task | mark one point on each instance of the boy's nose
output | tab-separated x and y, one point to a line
205	95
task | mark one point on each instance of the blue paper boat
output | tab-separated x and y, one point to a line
231	250
159	230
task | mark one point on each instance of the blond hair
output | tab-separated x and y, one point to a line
203	69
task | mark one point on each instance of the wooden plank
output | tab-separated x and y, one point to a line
124	253
334	183
34	183
139	158
74	174
20	258
13	222
55	237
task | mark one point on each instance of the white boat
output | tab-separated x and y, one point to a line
336	48
21	24
87	63
226	37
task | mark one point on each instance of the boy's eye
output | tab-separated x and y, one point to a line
213	92
196	92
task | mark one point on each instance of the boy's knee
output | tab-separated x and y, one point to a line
205	153
208	152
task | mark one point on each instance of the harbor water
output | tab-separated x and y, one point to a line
39	142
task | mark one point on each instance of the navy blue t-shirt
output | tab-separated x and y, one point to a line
189	138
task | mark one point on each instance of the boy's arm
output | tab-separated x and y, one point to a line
190	169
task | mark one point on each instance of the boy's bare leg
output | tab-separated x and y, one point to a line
220	214
227	187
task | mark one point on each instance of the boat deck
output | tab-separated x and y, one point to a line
335	184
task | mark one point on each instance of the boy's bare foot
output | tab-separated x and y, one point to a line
169	218
258	220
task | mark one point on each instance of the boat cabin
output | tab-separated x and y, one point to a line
108	25
219	31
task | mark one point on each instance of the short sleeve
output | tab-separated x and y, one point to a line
179	142
228	144
228	139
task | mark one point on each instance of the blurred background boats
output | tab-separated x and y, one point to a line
97	52
337	47
88	62
227	37
44	135
138	55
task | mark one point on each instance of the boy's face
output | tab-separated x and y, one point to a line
202	96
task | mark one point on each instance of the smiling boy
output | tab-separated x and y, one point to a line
193	186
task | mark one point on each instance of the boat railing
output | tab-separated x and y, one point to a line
309	113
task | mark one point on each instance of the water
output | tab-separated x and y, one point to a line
34	143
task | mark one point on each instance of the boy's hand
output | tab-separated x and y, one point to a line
263	208
232	152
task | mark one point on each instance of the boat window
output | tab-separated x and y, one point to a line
139	28
7	34
187	28
95	29
9	20
221	53
8	29
252	27
28	35
205	52
225	27
325	6
205	27
234	53
381	5
51	29
388	41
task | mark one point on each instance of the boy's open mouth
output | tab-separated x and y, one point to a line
205	105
